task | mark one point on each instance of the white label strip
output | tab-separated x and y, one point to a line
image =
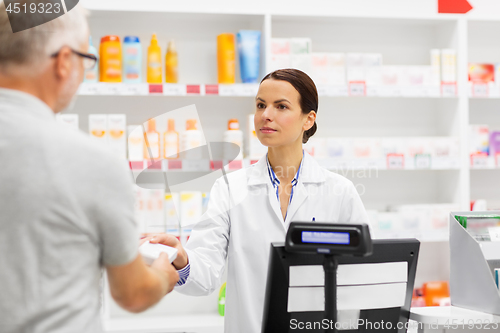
377	296
351	274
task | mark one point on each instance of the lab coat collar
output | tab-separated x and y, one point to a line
310	172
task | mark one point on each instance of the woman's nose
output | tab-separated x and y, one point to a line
267	114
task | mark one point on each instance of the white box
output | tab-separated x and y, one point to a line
440	215
340	148
320	68
373	76
135	143
117	124
68	119
446	147
280	61
418	145
280	46
336	69
414	218
449	65
355	67
316	147
414	76
98	126
355	60
356	74
366	148
372	59
387	223
393	146
155	218
302	62
336	59
392	75
328	68
300	46
435	67
151	252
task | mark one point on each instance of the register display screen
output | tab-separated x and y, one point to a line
323	237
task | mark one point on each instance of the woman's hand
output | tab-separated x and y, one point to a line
160	238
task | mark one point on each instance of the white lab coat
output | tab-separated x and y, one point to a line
241	227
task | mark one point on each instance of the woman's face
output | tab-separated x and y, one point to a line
279	120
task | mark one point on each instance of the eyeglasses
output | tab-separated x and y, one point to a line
89	60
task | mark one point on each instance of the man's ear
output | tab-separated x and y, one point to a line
62	63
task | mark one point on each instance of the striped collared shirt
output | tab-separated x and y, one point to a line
276	182
183	275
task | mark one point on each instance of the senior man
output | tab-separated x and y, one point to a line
66	204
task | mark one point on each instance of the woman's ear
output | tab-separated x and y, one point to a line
311	118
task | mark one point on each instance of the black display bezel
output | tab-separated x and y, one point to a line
354	237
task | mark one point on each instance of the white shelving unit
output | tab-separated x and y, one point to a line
403	34
484	172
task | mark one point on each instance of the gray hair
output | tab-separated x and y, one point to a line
30	49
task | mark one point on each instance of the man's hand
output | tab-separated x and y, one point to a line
182	259
163	266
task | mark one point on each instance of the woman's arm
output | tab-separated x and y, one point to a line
206	250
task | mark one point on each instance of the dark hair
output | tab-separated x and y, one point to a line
308	98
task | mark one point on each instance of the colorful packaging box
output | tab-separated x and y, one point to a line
479	139
481	73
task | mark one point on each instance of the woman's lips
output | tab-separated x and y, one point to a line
267	130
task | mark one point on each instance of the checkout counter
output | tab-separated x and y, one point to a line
474	264
296	284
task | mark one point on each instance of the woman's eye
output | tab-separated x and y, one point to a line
282	106
261	106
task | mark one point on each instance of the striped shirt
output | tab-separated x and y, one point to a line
183	275
276	182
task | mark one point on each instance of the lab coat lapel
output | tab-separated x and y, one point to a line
275	205
310	172
258	176
300	195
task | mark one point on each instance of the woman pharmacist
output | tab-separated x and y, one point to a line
255	206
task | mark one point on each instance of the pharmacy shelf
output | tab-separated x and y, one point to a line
145	89
250	90
480	162
195	36
398	162
484	90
